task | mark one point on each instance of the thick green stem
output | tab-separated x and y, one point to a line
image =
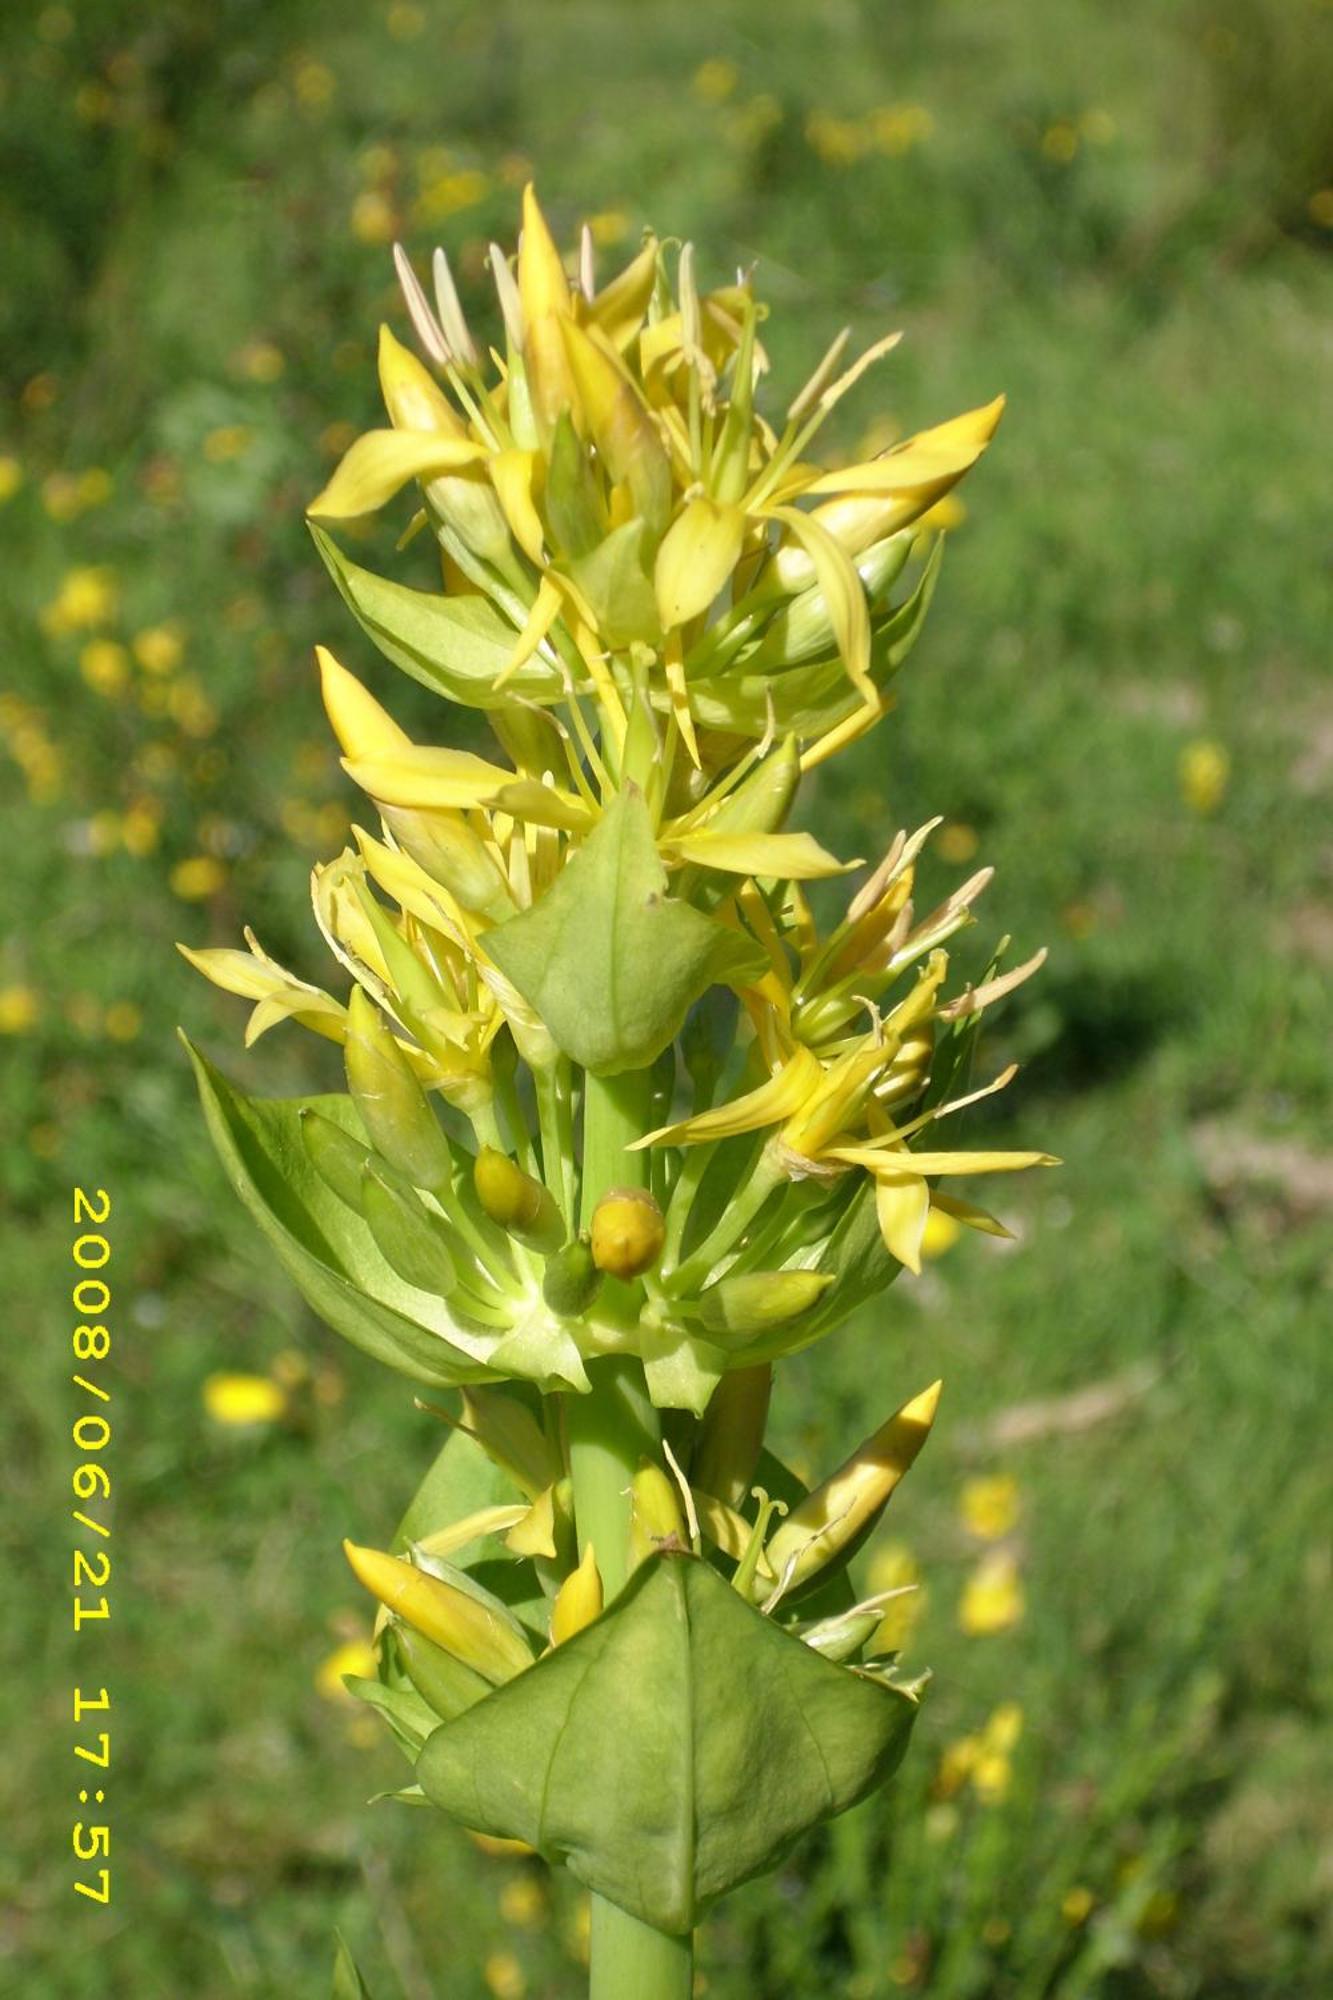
609	1431
631	1961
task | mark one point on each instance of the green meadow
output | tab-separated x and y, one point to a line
1122	1782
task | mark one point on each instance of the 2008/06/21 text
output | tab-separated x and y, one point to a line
90	1483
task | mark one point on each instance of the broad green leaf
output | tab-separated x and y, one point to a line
676	1747
457	646
609	961
323	1245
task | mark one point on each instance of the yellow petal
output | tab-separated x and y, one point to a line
902	1206
413	398
698	554
943	453
619	308
362	727
381	462
843	592
794	857
424	775
967	1212
578	1600
771	1104
545	610
878	1161
543	287
472	1528
512	475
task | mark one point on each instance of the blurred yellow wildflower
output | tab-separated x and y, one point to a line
523	1902
446	194
941	1233
159	649
261	361
197	878
839	142
1098	127
123	1021
66	495
1204	770
18	1009
88	597
896	128
373	218
715	79
105	666
956	841
1321	208
989	1506
227	442
405	21
504	1976
243	1399
1077	1904
609	226
315	84
992	1599
355	1656
11	477
946	515
1059	142
894	1567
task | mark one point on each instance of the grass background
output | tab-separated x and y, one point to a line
1120	216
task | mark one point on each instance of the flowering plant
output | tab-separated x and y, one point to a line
623	1126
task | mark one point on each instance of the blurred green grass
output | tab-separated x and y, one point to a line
1119	216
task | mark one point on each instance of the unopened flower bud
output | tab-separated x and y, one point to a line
571	1281
408	1237
336	1156
628	1232
759	1300
731	1434
392	1103
905	1077
516	1201
578	1600
473	1631
453	855
761	802
655	1517
439	1677
831	1518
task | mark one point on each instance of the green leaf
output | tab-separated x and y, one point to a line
325	1248
347	1981
610	961
617	582
409	1715
456	646
679	1745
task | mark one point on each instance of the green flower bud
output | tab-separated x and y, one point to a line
516	1201
731	1434
760	804
453	855
406	1233
758	1300
628	1232
439	1677
838	1638
571	1281
336	1156
392	1103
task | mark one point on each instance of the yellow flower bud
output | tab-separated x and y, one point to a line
655	1515
578	1600
463	1625
829	1519
516	1201
628	1232
392	1104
